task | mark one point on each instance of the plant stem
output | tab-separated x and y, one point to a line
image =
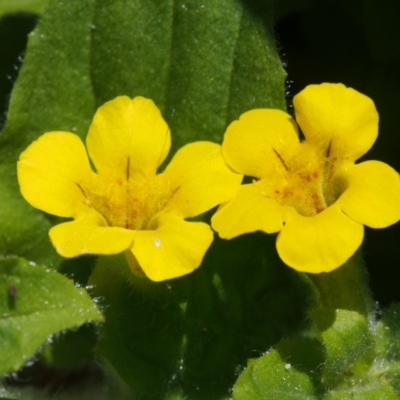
346	287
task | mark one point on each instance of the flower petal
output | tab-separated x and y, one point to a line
320	243
89	234
174	248
372	196
52	173
199	179
338	119
128	136
249	211
260	142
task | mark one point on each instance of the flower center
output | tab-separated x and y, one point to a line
304	182
128	203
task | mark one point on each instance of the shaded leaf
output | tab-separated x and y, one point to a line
43	99
135	317
365	389
282	375
72	348
387	333
345	288
188	337
342	305
348	342
34	304
387	362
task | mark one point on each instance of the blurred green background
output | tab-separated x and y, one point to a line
356	42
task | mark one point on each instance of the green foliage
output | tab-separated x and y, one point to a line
13	6
340	365
35	303
387	333
348	342
387	330
341	356
72	348
187	338
44	99
364	391
380	378
281	376
344	288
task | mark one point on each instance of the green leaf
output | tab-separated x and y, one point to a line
387	332
363	390
72	348
339	365
348	342
188	337
204	63
288	372
137	316
36	303
345	288
14	6
42	100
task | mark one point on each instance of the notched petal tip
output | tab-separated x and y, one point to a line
251	143
129	132
335	116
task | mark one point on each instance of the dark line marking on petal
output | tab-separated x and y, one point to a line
80	187
128	209
328	151
281	159
127	168
88	202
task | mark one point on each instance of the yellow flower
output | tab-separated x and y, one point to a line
310	191
125	205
